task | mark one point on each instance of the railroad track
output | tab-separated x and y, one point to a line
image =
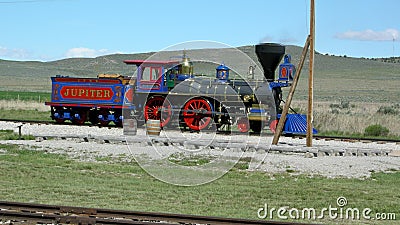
237	144
234	145
29	213
317	137
351	139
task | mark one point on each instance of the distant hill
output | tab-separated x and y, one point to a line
336	78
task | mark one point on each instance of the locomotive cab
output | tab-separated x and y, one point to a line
161	76
153	76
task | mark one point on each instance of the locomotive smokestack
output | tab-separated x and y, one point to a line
269	55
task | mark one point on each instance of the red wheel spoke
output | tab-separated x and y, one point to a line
197	113
157	109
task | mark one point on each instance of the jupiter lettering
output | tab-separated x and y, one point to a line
72	92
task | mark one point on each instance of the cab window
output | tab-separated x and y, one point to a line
151	73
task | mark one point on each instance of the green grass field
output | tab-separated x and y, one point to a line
23	105
25	96
37	176
10	135
32	115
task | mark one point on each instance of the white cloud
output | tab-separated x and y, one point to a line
19	54
87	52
24	54
370	35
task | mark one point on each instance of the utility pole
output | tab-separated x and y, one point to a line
281	123
309	136
309	45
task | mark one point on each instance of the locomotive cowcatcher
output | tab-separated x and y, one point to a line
170	92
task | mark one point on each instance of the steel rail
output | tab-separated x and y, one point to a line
42	213
344	138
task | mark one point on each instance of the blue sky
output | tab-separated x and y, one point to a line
48	30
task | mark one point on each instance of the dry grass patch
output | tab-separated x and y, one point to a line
23	105
351	118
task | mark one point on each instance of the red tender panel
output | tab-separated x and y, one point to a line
86	92
129	95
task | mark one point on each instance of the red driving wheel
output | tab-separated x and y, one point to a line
157	108
104	114
197	113
58	120
243	125
81	119
273	125
60	112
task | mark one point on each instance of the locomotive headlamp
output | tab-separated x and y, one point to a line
286	69
222	73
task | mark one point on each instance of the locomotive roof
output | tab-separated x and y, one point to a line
150	62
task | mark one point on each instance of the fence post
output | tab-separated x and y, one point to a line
20	132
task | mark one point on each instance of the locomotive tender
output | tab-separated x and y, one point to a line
170	92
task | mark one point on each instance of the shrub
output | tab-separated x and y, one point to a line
335	111
376	130
389	110
337	107
342	105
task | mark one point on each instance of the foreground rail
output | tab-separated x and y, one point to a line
43	214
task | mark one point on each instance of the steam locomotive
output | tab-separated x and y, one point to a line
170	92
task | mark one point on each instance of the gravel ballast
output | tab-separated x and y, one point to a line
271	162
